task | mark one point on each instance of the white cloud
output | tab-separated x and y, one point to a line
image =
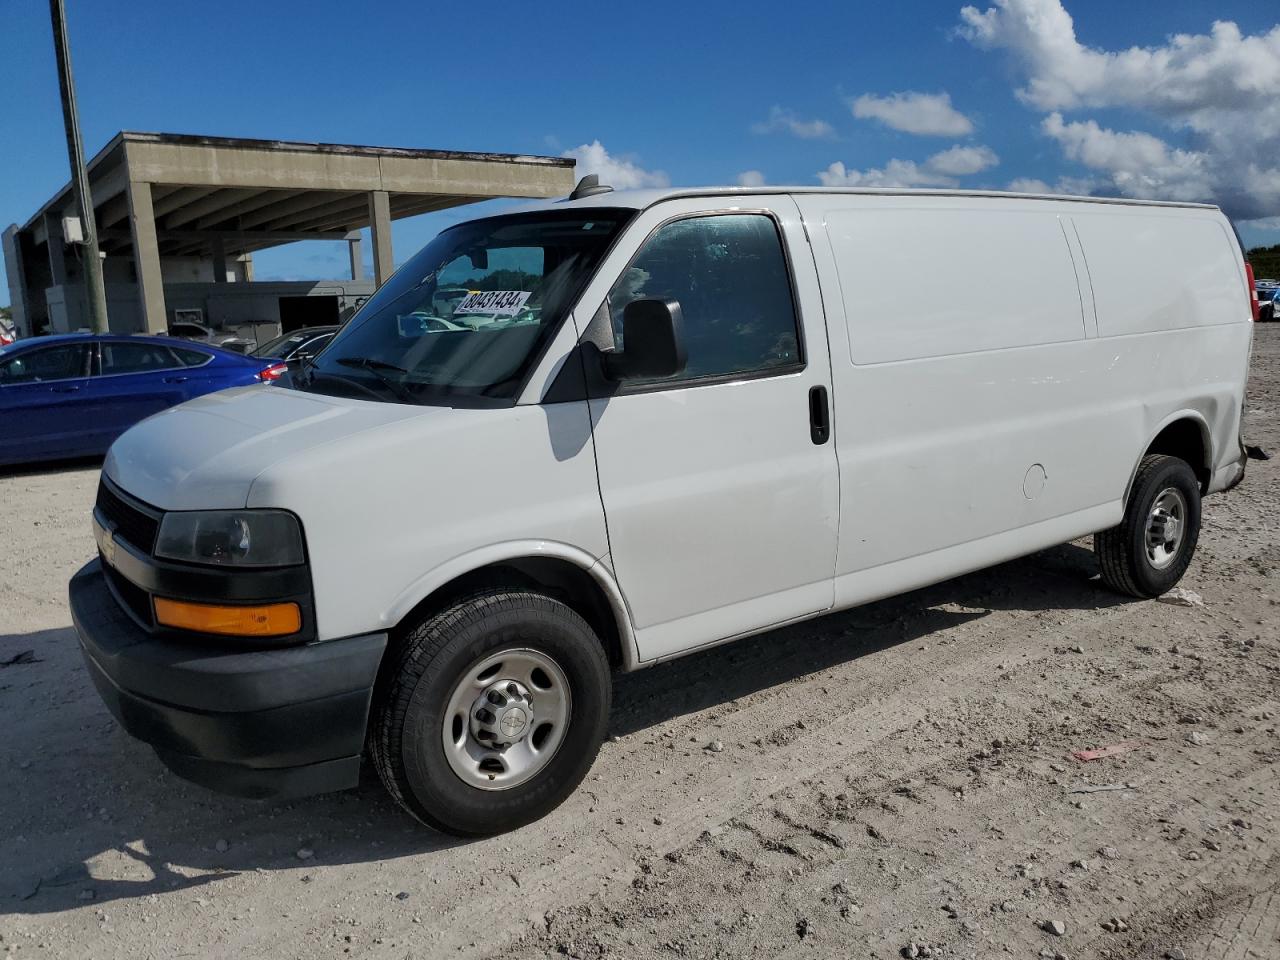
1029	185
751	178
618	172
940	170
962	161
925	114
1220	91
1139	164
786	121
1190	72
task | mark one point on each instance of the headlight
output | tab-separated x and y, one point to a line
234	538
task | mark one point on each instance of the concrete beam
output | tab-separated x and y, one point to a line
218	200
380	226
174	199
347	215
302	203
401	206
247	166
256	201
146	256
115	210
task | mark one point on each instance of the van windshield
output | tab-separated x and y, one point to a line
468	316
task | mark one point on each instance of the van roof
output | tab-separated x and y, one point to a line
640	199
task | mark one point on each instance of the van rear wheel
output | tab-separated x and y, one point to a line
1150	550
492	712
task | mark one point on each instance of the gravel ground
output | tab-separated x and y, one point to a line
894	780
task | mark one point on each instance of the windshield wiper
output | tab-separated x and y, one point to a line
376	367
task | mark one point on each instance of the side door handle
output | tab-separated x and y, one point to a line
70	388
176	379
819	415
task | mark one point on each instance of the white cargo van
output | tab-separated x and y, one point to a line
597	434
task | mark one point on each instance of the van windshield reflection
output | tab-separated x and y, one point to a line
470	314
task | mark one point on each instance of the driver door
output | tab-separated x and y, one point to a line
720	496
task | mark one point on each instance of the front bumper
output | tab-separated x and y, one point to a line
278	722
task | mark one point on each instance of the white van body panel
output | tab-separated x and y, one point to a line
204	454
1024	432
1008	417
722	513
390	496
396	506
1189	279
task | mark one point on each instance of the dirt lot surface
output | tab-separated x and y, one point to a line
893	780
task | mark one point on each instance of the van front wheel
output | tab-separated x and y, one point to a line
1147	554
492	712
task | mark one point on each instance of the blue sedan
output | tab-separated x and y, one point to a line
72	395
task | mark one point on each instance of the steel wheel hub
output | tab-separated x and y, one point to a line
1166	527
501	715
505	718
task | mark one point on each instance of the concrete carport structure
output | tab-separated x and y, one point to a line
179	218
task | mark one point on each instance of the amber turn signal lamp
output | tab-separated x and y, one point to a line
271	620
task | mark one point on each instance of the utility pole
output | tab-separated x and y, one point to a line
95	291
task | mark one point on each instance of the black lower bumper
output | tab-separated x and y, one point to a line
258	723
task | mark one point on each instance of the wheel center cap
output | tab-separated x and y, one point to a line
513	722
502	714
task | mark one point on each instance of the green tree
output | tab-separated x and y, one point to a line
1265	261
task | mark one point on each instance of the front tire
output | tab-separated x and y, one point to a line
1150	550
491	713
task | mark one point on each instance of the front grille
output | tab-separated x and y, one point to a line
130	522
132	597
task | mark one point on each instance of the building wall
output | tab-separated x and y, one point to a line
234	307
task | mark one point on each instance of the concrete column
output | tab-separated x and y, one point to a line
57	256
16	274
356	250
380	221
219	260
146	258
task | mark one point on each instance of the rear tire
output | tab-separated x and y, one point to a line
432	733
1150	550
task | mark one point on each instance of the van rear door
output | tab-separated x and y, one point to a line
719	485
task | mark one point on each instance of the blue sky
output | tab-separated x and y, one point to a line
683	93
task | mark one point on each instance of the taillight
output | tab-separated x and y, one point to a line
273	372
1253	291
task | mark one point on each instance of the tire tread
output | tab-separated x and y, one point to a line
412	658
1115	558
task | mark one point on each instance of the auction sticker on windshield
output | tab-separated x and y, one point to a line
503	303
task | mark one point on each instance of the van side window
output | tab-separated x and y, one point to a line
730	277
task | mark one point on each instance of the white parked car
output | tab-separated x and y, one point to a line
672	419
190	330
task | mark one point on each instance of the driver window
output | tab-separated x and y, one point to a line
730	277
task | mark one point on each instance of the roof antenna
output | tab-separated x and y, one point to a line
589	186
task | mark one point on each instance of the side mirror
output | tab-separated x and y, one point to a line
652	345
